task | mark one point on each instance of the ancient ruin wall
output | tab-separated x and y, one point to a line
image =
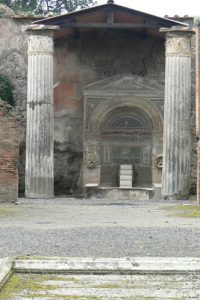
13	63
79	61
8	153
84	59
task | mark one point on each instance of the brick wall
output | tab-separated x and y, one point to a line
8	154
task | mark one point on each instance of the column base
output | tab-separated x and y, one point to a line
176	197
39	196
157	192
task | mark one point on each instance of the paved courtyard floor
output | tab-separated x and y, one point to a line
100	228
102	287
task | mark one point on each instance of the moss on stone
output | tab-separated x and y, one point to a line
35	286
48	277
13	286
17	284
6	211
59	297
189	211
141	298
107	286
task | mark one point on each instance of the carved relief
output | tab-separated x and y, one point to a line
91	104
180	45
41	43
159	161
91	160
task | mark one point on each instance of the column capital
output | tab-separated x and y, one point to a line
178	40
178	30
40	39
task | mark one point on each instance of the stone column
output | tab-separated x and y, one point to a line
197	23
40	129
177	111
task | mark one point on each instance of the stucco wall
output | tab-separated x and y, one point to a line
85	59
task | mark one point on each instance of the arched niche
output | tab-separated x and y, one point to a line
142	104
124	120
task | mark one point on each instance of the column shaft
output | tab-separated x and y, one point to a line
177	111
39	135
198	109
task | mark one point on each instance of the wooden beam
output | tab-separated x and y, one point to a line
110	17
109	25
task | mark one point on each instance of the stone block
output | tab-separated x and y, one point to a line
125	167
126	172
125	177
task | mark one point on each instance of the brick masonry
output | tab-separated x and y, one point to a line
8	153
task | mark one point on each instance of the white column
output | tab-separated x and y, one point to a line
177	112
40	129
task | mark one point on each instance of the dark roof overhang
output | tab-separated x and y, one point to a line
109	16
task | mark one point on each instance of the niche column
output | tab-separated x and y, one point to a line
40	118
177	112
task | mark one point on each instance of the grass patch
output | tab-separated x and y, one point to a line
8	211
107	286
142	298
30	283
46	277
34	258
187	211
59	297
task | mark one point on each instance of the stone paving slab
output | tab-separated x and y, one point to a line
109	265
6	265
101	278
103	287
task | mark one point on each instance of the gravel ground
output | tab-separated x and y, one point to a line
101	229
101	242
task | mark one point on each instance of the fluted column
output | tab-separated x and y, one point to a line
197	23
177	112
39	132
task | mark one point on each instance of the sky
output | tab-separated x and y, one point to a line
162	8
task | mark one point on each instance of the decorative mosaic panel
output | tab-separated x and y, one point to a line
119	154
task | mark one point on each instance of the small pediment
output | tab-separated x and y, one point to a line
109	16
127	85
99	14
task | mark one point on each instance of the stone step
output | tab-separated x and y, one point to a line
126	185
126	172
126	181
108	287
126	167
125	177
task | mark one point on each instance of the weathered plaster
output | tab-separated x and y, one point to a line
80	60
